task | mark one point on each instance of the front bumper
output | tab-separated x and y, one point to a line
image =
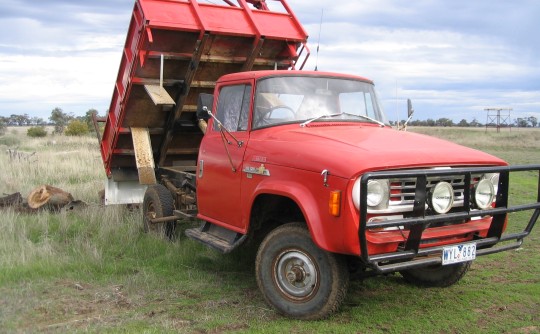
414	252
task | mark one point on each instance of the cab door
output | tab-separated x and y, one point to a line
219	168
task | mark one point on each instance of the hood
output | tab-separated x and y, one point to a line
347	150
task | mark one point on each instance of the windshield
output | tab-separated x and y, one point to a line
297	99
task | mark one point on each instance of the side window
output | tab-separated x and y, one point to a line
233	107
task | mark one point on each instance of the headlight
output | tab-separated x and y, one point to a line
377	193
494	179
484	194
442	197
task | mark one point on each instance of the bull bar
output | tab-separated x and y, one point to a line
412	256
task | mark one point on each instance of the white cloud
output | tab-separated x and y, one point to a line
447	73
41	83
452	58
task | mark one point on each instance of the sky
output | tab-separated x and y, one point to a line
452	58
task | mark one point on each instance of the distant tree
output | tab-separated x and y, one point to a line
37	121
521	122
60	119
88	118
444	122
463	123
475	123
26	119
430	122
13	120
533	120
76	128
19	120
3	125
23	119
36	131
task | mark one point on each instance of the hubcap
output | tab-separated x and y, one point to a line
296	275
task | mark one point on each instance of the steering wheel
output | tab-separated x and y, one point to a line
283	112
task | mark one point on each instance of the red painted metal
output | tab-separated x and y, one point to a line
247	33
294	157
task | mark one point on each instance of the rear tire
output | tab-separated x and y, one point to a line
296	277
158	202
436	276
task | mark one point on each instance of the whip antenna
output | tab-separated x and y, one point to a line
319	40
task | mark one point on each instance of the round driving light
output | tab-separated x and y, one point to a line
442	197
484	194
375	193
494	179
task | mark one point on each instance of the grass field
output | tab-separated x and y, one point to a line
94	270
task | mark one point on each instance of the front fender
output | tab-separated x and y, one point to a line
311	196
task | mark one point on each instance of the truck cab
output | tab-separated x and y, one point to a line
240	152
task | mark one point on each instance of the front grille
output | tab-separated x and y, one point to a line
402	191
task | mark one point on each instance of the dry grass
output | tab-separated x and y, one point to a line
70	163
17	249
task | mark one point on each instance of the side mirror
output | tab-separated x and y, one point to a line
410	110
205	100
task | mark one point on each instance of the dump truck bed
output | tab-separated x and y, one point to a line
177	49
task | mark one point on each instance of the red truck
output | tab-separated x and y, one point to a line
212	118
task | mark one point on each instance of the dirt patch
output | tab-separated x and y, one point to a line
528	330
229	328
71	304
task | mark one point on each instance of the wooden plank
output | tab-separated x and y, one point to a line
159	95
143	155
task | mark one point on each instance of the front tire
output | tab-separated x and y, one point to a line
436	276
158	202
296	277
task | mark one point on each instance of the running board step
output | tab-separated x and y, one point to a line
217	237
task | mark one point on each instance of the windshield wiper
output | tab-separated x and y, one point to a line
319	117
365	117
339	114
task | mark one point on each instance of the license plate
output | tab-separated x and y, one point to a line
459	253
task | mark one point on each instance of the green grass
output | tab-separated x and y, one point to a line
517	146
94	270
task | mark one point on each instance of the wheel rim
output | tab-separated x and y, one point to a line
296	275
